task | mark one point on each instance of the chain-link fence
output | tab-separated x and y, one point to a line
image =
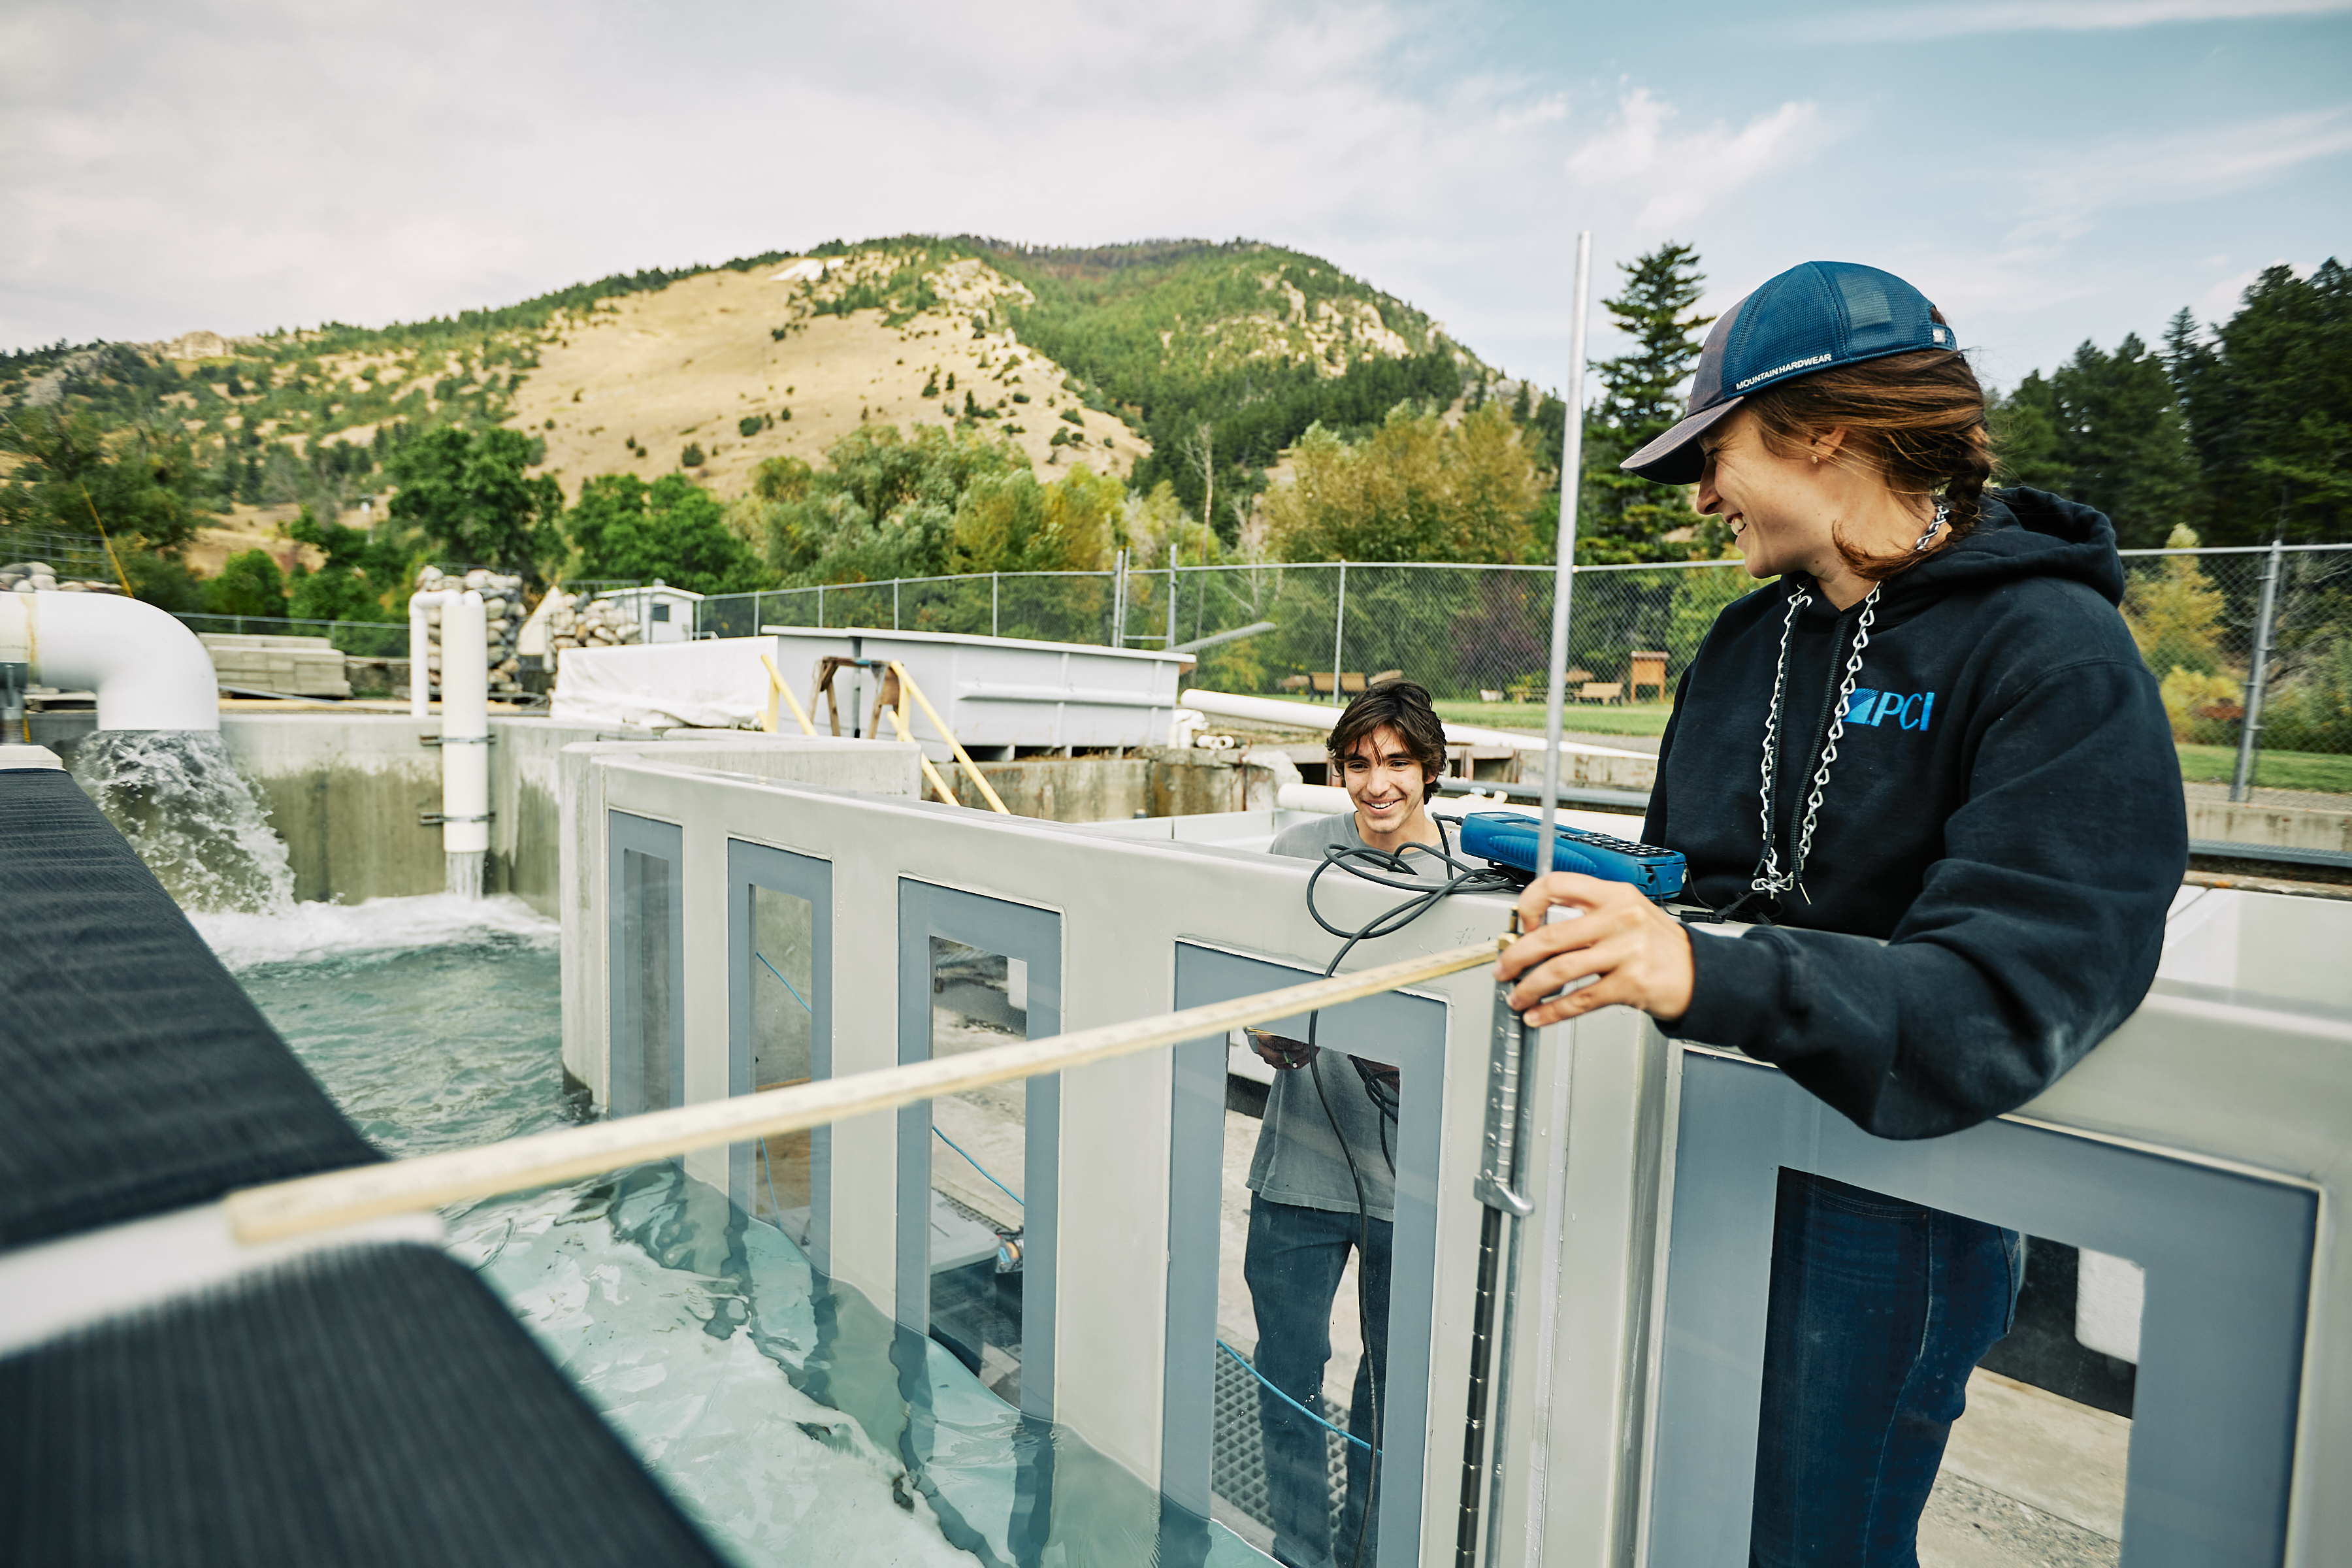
68	555
1482	634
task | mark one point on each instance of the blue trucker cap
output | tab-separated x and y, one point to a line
1814	316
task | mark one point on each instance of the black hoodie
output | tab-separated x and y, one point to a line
2004	813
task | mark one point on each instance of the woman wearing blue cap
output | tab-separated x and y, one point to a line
1927	771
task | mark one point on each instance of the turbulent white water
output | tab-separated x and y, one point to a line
178	798
461	873
305	932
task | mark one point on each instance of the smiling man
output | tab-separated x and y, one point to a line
1323	1180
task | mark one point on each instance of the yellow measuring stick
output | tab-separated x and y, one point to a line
431	1181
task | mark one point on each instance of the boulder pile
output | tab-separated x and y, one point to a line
599	623
40	577
502	611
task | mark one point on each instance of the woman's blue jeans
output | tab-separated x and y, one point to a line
1292	1263
1879	1310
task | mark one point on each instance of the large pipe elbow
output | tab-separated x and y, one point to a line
148	670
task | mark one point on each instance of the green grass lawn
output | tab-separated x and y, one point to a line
2318	771
1589	718
2273	770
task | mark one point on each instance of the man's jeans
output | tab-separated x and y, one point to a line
1879	1310
1293	1264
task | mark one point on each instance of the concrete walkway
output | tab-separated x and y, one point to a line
2299	799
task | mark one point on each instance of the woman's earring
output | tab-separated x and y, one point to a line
1935	526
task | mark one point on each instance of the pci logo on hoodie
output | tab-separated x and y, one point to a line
1908	711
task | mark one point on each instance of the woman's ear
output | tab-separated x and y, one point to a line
1825	446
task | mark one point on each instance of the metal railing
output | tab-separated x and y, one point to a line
359	639
1480	632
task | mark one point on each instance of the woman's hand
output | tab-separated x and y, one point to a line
1640	955
1278	1052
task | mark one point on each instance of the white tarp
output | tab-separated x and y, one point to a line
717	684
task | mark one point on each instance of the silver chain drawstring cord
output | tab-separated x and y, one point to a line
1769	878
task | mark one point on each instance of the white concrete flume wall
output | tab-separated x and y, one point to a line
148	669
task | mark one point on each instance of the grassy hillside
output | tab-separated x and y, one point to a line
1253	341
1167	360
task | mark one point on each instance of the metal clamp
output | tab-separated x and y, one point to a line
429	819
455	740
1507	1113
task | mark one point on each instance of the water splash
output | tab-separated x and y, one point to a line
309	933
461	873
194	818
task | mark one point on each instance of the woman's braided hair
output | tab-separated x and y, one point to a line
1916	419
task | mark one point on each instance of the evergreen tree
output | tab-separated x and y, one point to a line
2106	430
1620	517
2269	408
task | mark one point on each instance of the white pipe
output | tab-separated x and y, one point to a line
148	670
1309	716
465	726
420	646
1330	800
1324	800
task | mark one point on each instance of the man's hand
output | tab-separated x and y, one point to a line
1639	954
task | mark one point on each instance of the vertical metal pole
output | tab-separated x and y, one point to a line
1503	1183
993	578
1339	636
1170	640
820	604
1563	580
2257	677
894	603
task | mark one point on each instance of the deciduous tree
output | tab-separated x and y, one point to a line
472	496
1418	490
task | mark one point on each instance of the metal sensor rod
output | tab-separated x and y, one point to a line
1502	1181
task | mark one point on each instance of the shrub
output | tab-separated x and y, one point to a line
1020	397
2313	713
2175	612
747	425
249	585
785	413
2203	705
1073	416
691	458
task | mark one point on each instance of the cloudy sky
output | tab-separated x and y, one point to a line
2046	170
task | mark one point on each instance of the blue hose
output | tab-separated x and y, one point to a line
976	1165
1253	1371
788	984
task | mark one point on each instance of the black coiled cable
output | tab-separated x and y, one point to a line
1387	869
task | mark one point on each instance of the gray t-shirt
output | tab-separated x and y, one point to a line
1298	1159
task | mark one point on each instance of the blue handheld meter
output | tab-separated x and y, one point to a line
1508	838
